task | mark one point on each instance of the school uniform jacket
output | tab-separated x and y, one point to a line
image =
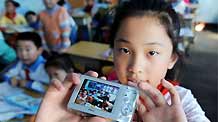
35	74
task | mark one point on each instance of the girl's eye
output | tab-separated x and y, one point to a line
124	50
152	53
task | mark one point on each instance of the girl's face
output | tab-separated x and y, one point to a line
10	8
56	73
142	51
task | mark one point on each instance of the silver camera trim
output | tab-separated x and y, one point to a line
123	107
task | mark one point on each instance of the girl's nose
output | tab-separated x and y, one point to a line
136	65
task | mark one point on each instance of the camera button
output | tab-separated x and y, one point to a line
126	99
126	110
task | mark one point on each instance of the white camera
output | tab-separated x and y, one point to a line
103	98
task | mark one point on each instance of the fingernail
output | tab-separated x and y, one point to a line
162	81
58	85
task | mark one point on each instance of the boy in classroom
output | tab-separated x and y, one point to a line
32	19
144	40
28	71
59	65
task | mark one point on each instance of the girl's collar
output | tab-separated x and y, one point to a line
10	16
163	90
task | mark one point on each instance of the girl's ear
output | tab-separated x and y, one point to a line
173	60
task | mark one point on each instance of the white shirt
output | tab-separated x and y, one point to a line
192	109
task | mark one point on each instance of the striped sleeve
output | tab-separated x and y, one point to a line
65	27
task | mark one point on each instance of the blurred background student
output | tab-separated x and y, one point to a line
28	71
11	17
7	53
32	19
59	65
55	27
73	25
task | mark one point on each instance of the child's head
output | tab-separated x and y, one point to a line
144	38
11	6
31	17
90	2
58	65
28	47
50	3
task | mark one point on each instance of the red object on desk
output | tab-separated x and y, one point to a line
2	28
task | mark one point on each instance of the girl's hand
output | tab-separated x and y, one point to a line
54	105
152	107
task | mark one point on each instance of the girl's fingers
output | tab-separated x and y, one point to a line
92	73
154	94
146	101
133	84
96	119
104	78
141	110
95	74
173	93
57	84
71	79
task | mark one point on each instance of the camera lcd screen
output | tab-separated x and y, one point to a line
97	95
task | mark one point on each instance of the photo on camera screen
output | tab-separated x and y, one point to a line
97	95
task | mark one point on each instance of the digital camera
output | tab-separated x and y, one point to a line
103	98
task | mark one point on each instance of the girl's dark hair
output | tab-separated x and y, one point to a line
30	36
154	8
61	61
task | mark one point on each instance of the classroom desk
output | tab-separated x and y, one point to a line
28	118
88	55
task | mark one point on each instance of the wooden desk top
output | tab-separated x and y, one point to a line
89	49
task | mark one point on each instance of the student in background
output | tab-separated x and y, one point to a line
92	7
10	16
73	25
66	5
55	27
29	70
7	53
59	65
32	20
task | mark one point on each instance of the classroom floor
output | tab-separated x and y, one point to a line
200	72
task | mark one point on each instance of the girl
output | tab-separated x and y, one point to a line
58	65
144	39
11	17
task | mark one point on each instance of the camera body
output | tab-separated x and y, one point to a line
104	98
